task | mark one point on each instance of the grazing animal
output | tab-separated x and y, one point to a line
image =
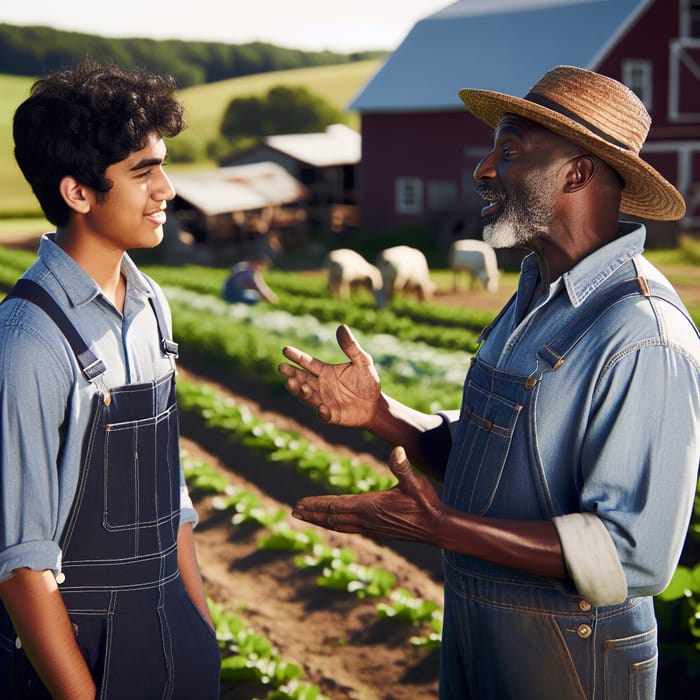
405	270
477	259
348	270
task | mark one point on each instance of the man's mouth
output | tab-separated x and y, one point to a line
495	201
490	211
157	217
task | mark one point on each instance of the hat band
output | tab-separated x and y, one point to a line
555	107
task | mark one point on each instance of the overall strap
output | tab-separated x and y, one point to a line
91	366
168	345
554	352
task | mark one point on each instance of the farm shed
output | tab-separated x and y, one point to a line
420	146
325	163
241	208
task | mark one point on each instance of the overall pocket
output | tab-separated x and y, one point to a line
480	449
134	496
631	666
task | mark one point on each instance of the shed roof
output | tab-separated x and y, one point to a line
504	45
238	188
337	145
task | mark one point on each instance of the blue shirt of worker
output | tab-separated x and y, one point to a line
582	407
617	438
46	402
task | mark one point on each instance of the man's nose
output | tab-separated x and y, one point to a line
164	190
485	168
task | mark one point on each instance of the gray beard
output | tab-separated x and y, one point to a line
503	234
525	216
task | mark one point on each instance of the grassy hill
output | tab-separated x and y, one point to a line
15	194
204	105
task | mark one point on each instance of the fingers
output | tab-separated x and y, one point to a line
350	346
398	461
332	512
303	359
302	385
409	481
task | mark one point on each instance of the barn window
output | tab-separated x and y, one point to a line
409	195
636	75
690	19
442	195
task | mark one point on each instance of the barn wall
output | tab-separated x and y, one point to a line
438	148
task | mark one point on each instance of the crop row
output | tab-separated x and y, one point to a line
338	566
249	657
452	328
238	340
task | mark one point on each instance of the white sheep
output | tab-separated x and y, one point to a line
478	260
348	270
405	269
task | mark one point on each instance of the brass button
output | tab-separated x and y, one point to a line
584	631
584	606
60	578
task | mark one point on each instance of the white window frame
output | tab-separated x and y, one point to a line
637	75
408	195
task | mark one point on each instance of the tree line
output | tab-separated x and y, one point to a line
35	50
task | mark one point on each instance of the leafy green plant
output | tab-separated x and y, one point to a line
434	637
247	655
238	424
678	613
404	606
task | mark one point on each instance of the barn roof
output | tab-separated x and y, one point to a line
337	145
238	188
503	45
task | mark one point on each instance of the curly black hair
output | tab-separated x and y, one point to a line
79	121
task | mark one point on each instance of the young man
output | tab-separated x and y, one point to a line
569	474
100	588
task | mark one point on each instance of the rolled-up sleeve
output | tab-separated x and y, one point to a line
591	558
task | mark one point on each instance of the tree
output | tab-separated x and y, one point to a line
285	109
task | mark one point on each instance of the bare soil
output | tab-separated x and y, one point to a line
337	638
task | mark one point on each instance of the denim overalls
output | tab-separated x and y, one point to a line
141	635
508	635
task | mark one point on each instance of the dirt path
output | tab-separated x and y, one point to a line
337	638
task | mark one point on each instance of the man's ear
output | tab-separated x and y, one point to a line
74	195
581	171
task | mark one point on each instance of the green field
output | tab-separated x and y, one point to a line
204	105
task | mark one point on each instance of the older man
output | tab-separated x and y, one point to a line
570	471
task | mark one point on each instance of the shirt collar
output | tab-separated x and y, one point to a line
589	274
78	285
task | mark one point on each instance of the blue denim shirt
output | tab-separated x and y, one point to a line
46	403
616	429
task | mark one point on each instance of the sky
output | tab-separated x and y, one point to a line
343	26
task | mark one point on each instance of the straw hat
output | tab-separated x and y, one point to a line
602	115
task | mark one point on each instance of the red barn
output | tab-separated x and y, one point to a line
420	146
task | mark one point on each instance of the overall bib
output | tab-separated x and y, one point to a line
508	635
137	628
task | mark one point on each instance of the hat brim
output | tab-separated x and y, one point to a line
646	193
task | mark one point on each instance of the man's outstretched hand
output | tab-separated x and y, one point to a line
410	511
344	394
